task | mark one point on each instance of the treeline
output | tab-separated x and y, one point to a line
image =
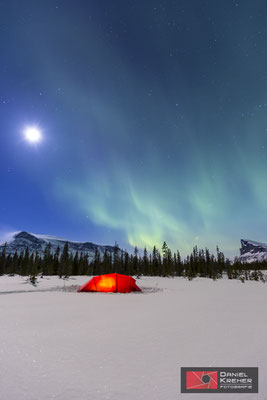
200	263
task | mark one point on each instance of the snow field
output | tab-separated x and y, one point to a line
57	344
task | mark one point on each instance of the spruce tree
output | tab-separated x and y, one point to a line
75	264
25	262
116	259
3	260
64	264
145	263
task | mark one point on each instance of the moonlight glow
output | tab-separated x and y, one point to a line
32	134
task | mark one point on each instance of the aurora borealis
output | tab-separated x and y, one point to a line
154	121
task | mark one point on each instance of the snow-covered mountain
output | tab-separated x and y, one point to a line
19	241
252	251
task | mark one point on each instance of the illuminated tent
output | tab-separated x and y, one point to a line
110	283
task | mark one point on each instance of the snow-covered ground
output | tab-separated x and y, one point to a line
60	344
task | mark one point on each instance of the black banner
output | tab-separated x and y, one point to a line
219	380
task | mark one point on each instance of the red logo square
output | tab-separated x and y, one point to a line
201	380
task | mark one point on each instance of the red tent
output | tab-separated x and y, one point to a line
110	283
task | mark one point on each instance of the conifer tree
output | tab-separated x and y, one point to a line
106	262
64	266
25	262
135	262
126	263
3	260
155	261
116	259
47	268
96	263
57	270
145	263
15	261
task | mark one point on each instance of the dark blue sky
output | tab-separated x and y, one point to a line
153	119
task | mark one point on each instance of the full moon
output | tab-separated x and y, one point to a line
32	134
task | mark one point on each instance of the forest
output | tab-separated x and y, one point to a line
163	262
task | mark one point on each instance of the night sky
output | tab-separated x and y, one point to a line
153	117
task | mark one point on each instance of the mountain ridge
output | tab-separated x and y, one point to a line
19	241
252	251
